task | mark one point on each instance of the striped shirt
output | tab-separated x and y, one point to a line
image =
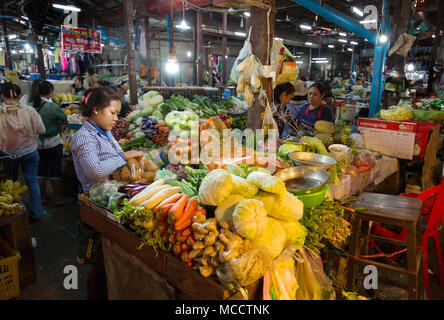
96	155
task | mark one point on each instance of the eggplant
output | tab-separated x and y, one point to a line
135	190
126	187
138	183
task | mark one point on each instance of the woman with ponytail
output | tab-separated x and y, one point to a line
20	126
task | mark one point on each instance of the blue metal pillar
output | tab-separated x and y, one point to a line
349	24
378	63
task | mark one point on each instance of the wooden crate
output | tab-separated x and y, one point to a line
188	283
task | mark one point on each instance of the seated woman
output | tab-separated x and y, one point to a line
309	112
77	88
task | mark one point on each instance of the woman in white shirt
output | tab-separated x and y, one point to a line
20	126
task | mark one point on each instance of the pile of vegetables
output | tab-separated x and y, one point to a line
177	103
150	107
120	129
249	81
183	123
155	130
325	223
10	196
207	108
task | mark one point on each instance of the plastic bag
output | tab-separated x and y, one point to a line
101	193
246	269
244	53
365	161
312	280
141	170
289	72
402	45
280	282
113	202
268	123
401	113
279	56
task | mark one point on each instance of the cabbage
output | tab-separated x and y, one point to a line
155	101
215	187
286	148
150	94
243	187
295	233
250	218
236	170
267	182
288	207
157	114
225	210
273	237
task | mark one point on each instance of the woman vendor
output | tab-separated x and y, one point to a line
305	115
283	94
96	156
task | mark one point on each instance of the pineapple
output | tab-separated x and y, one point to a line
324	127
327	139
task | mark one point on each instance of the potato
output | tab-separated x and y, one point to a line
148	176
148	164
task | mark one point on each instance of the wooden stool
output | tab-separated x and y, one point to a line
390	210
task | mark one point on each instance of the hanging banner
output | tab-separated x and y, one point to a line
79	43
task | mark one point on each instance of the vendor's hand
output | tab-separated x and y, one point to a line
132	155
80	261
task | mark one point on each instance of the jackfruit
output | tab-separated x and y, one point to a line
324	127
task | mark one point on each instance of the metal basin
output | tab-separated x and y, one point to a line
303	179
312	159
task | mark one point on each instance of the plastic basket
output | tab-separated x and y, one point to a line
342	189
9	277
313	199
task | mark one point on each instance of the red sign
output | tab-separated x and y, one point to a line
83	40
387	125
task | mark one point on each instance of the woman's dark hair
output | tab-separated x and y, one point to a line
97	98
323	88
44	88
80	78
91	70
286	87
9	88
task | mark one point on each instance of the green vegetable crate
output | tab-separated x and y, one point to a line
312	200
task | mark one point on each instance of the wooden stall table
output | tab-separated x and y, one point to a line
16	231
145	274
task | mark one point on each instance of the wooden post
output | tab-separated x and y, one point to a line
8	62
224	49
261	43
148	47
199	48
40	62
128	10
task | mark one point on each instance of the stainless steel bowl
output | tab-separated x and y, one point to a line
303	179
312	159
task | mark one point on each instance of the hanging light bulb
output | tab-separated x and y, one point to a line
183	25
242	22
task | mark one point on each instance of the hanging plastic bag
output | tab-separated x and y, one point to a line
312	280
280	282
279	56
402	45
268	123
245	52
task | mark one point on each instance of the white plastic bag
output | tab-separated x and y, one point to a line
245	52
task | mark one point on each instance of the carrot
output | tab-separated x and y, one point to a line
186	232
187	211
184	247
185	223
177	249
168	200
201	211
185	256
176	210
162	214
159	125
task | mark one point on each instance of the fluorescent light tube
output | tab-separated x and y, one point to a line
358	12
69	8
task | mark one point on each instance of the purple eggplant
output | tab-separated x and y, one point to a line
126	187
135	190
141	183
